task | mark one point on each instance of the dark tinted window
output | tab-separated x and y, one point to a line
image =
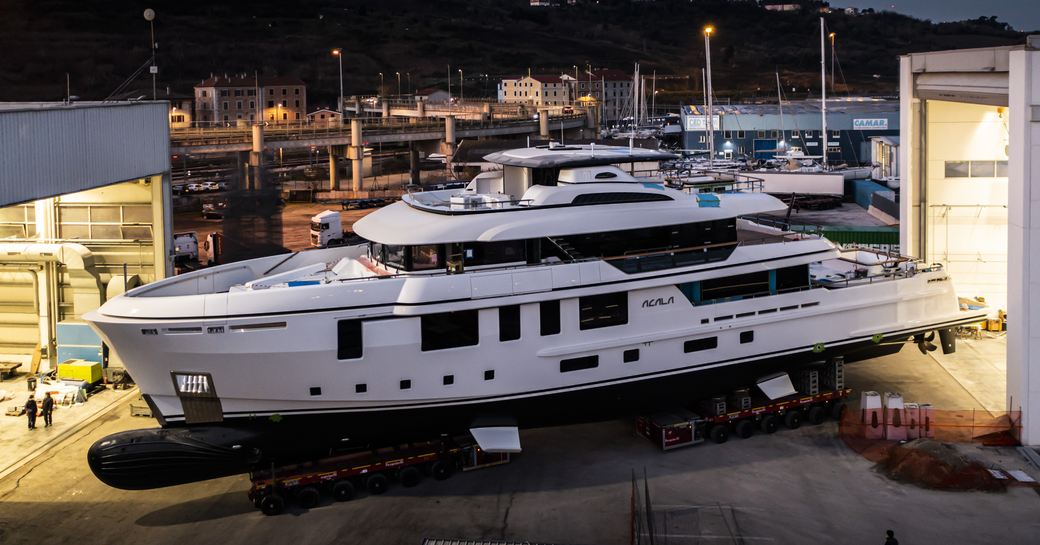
509	323
697	345
549	313
348	334
740	285
631	355
489	374
406	384
792	278
604	310
449	330
608	198
448	380
577	364
747	336
490	253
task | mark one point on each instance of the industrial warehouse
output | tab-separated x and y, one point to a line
652	308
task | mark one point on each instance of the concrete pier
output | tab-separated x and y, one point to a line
356	154
543	123
256	159
334	153
413	164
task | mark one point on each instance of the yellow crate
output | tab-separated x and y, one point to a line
89	371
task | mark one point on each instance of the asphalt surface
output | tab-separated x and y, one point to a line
571	485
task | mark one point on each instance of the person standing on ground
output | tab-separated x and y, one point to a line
30	411
890	538
46	409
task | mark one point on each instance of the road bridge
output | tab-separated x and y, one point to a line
349	141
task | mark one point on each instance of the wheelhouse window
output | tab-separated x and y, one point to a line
349	339
735	287
606	310
449	330
549	315
427	256
509	323
792	278
493	253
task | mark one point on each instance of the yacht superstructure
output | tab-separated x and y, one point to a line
560	288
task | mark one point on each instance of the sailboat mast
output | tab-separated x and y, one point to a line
823	90
780	103
711	130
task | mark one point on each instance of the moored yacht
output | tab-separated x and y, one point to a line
560	288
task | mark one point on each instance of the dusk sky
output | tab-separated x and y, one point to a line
1021	14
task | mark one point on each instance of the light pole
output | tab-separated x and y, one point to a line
449	87
575	67
461	90
398	84
338	53
708	30
409	76
380	93
832	61
149	15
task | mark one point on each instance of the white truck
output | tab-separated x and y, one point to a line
185	248
326	230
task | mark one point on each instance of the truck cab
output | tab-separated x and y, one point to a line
326	230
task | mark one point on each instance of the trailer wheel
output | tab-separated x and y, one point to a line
817	415
308	497
272	504
719	433
838	410
376	484
793	419
343	491
442	469
409	477
769	423
744	429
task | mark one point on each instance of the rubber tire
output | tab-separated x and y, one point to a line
769	423
272	505
442	469
719	433
376	484
409	477
744	429
838	410
817	415
308	497
793	419
343	491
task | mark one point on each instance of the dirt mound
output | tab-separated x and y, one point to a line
931	464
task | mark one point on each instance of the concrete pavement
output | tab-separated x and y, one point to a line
571	485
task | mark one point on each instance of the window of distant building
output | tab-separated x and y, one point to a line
270	92
297	115
296	90
205	93
223	92
238	104
297	103
270	104
285	117
284	92
251	92
285	103
225	105
238	92
252	104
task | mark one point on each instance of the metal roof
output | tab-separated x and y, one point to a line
50	149
574	156
853	106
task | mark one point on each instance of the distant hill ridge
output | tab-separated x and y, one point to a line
101	43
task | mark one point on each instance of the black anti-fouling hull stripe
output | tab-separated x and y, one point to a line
460	300
547	391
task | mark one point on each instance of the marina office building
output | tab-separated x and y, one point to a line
757	130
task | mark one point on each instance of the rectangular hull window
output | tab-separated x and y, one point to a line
550	317
696	345
450	330
604	310
578	364
509	323
349	345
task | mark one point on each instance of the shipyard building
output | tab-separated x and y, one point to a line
762	131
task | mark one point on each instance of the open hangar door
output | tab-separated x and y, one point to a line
967	123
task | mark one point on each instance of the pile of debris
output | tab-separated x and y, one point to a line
931	464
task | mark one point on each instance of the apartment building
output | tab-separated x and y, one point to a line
242	99
536	91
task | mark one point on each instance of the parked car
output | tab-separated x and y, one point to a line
193	188
210	186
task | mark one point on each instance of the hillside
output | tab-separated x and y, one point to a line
101	43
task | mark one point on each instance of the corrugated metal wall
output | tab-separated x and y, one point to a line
57	149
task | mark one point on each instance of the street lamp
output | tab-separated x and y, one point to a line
832	61
708	31
398	84
338	53
149	15
380	93
461	99
409	76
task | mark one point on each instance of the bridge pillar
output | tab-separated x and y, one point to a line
242	158
358	112
448	145
256	158
420	108
356	154
485	113
413	163
543	123
334	152
386	108
592	121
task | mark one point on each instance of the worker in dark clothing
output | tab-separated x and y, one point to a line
890	538
30	411
46	409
